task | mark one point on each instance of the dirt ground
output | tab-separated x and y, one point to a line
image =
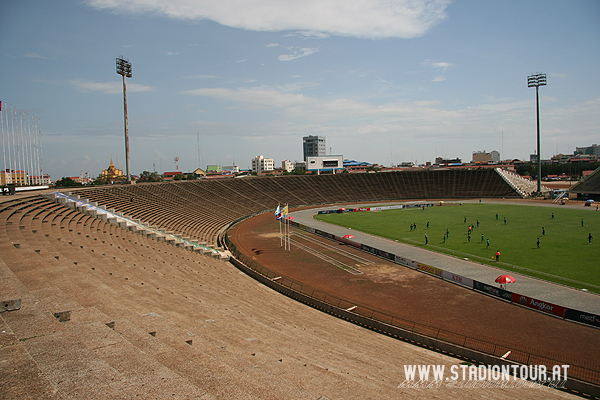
414	296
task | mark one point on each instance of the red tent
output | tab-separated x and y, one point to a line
348	237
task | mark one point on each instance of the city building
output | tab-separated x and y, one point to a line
445	161
560	159
41	180
356	166
314	146
198	173
493	157
230	169
325	163
17	178
300	164
213	169
534	159
287	165
261	164
592	151
171	175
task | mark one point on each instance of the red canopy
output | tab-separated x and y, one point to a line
504	279
291	218
348	237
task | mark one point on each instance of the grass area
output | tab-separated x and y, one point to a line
564	255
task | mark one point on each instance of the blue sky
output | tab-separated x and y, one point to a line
383	81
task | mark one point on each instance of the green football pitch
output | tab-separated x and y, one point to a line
564	254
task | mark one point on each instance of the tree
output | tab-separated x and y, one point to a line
67	182
149	177
107	180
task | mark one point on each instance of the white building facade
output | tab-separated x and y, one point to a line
287	165
261	164
325	163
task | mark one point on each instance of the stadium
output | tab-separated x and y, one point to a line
182	290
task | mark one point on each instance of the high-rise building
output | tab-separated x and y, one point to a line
314	146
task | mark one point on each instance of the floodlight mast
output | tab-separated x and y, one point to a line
537	80
124	69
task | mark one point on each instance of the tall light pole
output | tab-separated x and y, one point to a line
537	80
124	69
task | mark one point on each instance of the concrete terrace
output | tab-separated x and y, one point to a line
107	313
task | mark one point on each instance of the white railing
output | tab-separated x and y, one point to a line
125	222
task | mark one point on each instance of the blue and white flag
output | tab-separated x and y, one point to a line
278	212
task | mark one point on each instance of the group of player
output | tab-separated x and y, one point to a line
471	228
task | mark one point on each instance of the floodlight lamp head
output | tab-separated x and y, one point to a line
123	67
536	80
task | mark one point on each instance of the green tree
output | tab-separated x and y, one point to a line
149	177
106	180
67	182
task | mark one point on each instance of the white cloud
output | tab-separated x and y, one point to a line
242	61
108	87
297	53
360	18
418	120
253	96
172	53
441	66
272	45
34	55
310	34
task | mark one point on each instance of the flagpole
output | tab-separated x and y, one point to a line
285	227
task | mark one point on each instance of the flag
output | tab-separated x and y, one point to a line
284	211
277	212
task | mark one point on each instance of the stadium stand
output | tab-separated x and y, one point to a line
200	209
589	188
523	186
105	313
